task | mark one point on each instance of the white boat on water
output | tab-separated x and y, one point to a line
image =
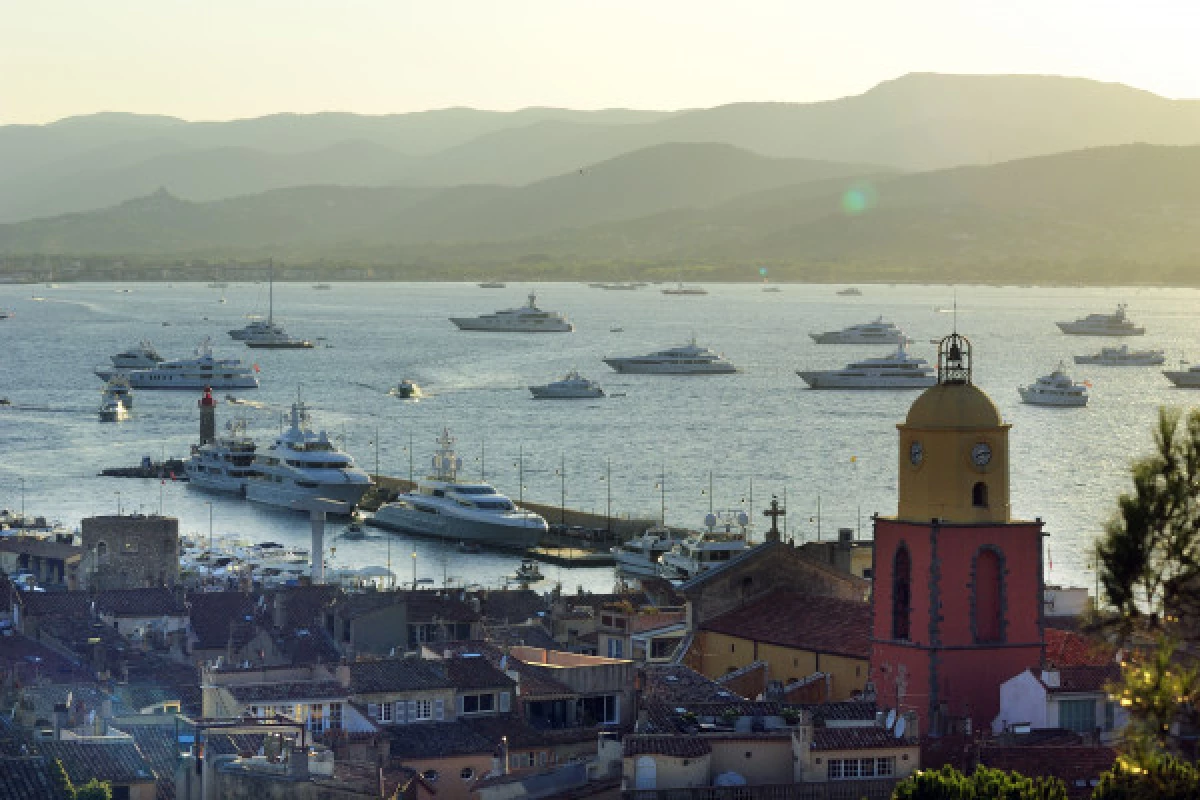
304	464
405	390
226	464
572	385
685	290
203	371
143	356
898	370
526	319
876	332
1123	357
1184	378
690	359
269	334
639	555
111	407
446	508
1115	324
118	386
725	539
1055	389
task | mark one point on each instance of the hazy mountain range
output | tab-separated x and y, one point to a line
937	170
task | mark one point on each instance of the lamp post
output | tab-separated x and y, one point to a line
562	500
22	500
414	560
118	494
662	488
608	492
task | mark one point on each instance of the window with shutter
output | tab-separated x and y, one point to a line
373	710
412	711
505	702
439	709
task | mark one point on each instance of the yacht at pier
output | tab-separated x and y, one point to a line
303	464
444	507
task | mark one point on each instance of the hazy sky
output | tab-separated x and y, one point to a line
219	59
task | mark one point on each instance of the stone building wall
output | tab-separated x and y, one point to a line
130	552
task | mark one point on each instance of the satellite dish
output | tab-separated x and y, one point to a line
891	719
901	724
710	520
743	519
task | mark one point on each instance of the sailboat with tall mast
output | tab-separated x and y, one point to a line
268	333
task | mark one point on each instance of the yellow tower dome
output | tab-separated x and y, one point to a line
953	461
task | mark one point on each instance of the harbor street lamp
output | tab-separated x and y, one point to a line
22	500
414	560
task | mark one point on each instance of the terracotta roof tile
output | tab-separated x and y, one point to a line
1071	649
435	740
1084	679
864	738
160	747
475	673
672	746
27	778
140	602
676	684
287	691
396	675
119	762
806	622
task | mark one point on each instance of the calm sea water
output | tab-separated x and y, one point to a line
758	433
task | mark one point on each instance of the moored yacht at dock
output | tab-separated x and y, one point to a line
303	464
726	538
443	507
639	555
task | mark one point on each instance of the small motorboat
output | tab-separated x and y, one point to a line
111	408
405	390
528	572
469	547
354	531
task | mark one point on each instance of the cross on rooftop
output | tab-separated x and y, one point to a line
774	512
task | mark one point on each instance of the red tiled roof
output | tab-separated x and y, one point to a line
864	738
1071	649
27	778
1084	679
673	746
802	621
1076	766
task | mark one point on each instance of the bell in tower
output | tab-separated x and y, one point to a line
954	359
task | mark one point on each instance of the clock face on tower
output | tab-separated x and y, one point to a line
981	454
916	452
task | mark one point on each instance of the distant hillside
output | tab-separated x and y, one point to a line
1101	215
657	179
917	122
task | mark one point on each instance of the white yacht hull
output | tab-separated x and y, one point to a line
833	380
491	326
635	563
1059	401
635	366
459	529
1146	361
220	484
549	392
1080	329
838	337
345	495
1185	379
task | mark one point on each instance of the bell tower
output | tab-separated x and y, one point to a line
957	595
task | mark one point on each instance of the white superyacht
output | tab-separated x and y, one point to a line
446	508
690	359
526	319
1123	357
639	555
712	548
1184	378
877	332
200	372
898	370
1055	389
1115	324
304	464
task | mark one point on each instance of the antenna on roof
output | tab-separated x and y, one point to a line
955	309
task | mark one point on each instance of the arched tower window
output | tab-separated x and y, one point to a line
979	495
901	593
987	596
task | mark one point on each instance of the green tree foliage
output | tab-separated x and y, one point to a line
62	781
1162	779
1149	557
983	784
94	790
1161	695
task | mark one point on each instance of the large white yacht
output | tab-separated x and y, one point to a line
526	319
1123	357
443	507
690	359
876	332
200	372
573	385
1055	389
1115	324
1184	378
898	370
143	356
304	464
725	539
639	555
226	464
685	290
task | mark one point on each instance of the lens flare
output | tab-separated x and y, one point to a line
859	198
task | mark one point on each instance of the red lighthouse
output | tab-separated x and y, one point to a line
958	583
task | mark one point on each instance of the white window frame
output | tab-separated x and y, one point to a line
385	713
424	710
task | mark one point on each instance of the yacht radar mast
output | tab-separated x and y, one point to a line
446	463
